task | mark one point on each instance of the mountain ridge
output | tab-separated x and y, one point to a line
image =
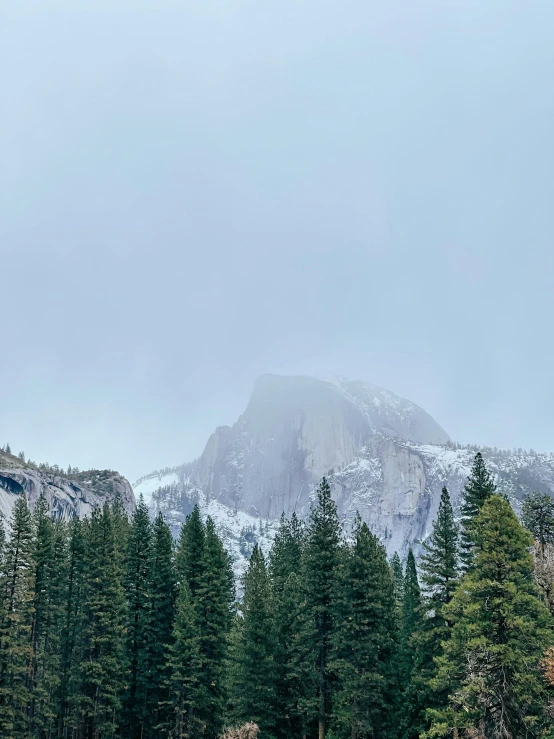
385	457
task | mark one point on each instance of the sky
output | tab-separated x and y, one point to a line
196	193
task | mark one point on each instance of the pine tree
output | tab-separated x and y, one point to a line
213	609
316	615
70	655
103	629
191	551
256	675
43	677
538	517
137	582
411	615
479	487
183	720
284	563
439	575
398	577
491	664
162	594
364	640
17	589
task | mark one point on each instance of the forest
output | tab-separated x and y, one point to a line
109	628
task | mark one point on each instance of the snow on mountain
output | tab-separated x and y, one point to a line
384	456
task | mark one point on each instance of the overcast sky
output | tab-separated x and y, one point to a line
194	193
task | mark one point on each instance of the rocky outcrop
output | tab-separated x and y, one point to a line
67	497
295	430
385	457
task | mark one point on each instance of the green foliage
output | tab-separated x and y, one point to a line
411	618
439	576
479	487
284	563
538	517
256	665
17	588
138	597
398	578
364	641
162	588
185	719
50	561
490	667
103	622
190	562
213	607
106	632
316	616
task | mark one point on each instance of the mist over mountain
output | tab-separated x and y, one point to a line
385	458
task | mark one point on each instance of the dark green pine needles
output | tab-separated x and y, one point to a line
109	631
479	487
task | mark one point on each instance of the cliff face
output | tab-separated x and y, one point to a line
384	456
67	497
294	431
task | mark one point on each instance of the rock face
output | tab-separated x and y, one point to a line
67	497
294	431
384	456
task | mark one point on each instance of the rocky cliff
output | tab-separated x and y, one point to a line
385	457
67	496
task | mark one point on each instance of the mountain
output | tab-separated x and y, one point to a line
68	495
385	457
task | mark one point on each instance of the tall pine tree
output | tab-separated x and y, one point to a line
184	719
479	487
256	668
50	561
411	616
102	659
284	564
162	595
17	588
490	668
137	582
213	609
71	642
364	641
313	643
439	576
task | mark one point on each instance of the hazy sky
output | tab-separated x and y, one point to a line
194	193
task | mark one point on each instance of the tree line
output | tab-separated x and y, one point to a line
110	629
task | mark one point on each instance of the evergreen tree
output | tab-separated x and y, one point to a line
17	587
411	615
256	678
183	720
439	576
479	487
70	655
190	552
213	609
398	578
284	563
103	629
316	614
538	517
43	677
364	641
162	594
138	618
491	663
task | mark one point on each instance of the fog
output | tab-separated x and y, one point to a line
195	193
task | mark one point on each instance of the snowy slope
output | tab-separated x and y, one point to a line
384	456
